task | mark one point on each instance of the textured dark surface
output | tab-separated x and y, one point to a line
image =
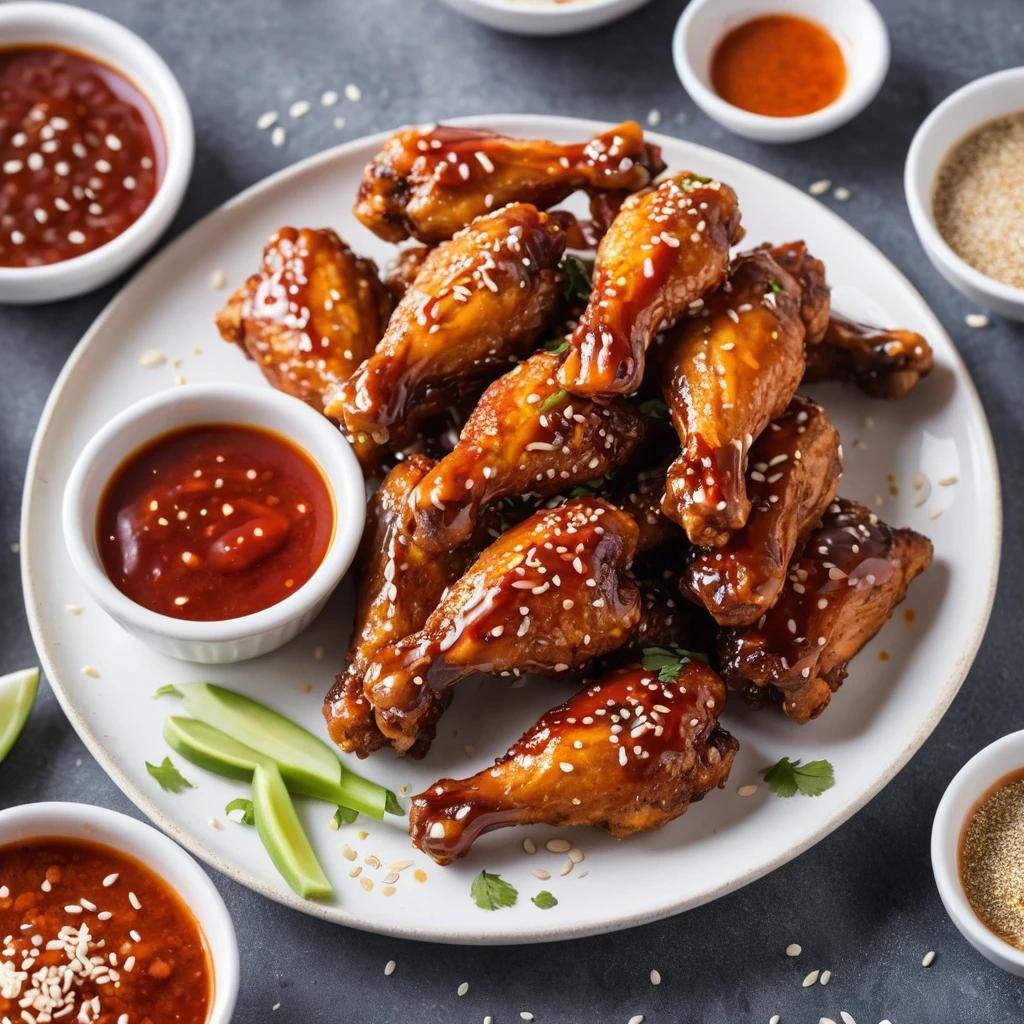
862	902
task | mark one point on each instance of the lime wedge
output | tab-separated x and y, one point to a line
17	694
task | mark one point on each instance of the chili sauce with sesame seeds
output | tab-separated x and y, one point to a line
81	155
779	66
89	933
214	521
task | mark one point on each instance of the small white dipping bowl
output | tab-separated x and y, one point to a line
969	785
954	118
159	854
542	18
247	636
71	28
854	24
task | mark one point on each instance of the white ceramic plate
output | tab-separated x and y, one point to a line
877	721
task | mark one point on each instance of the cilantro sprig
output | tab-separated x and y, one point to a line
241	811
168	776
544	899
556	346
668	662
775	285
786	778
492	892
167	690
554	399
577	279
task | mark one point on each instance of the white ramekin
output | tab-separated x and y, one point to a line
537	18
70	27
855	25
956	116
159	854
969	785
247	636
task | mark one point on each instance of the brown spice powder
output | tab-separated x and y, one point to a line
992	862
978	202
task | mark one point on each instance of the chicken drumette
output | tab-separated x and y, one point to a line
794	469
725	374
526	436
663	252
429	182
398	585
840	590
547	596
629	753
310	316
477	303
882	362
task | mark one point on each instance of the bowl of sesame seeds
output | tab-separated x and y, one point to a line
964	184
96	150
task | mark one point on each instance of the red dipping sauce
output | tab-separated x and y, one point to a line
214	521
84	924
81	155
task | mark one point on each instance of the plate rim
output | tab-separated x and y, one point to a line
337	914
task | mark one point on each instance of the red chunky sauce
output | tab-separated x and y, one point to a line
89	934
214	521
81	153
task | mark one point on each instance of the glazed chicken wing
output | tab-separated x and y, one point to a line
429	182
547	596
398	585
663	251
852	572
628	754
526	435
794	469
404	269
310	316
883	363
726	374
815	295
477	303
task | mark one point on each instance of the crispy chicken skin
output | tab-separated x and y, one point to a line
398	585
852	572
477	303
547	596
882	362
815	294
794	470
310	315
666	248
726	373
404	269
429	182
526	435
628	754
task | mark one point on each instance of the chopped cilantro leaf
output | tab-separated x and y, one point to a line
492	892
344	816
392	806
577	279
544	900
248	815
668	662
168	776
552	400
697	179
556	346
167	690
775	285
787	778
654	408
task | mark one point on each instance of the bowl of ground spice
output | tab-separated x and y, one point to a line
964	182
978	852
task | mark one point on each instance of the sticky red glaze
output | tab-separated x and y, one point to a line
162	972
214	521
81	154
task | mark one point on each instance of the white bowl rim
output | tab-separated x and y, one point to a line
137	836
341	472
175	119
974	779
550	11
857	93
921	205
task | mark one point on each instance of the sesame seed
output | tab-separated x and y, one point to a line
541	873
928	959
134	901
818	188
278	136
389	968
328	98
339	123
794	949
218	279
637	1018
654	118
774	1019
847	1018
462	989
110	880
976	320
655	977
353	93
92	673
300	108
826	977
747	790
267	120
810	979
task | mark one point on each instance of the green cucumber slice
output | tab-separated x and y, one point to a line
307	764
210	748
282	835
17	695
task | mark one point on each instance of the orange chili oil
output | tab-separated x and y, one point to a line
779	66
214	521
81	154
82	924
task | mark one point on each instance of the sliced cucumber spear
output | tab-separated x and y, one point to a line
17	695
211	749
307	764
282	834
